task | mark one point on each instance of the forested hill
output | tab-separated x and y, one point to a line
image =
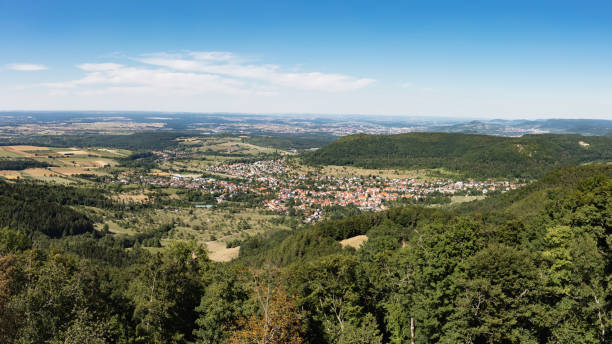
45	208
471	155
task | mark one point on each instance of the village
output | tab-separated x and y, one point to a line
282	189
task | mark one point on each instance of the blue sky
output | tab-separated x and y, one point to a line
495	59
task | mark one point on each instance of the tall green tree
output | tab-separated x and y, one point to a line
166	293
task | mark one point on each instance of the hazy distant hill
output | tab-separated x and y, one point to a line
473	155
520	127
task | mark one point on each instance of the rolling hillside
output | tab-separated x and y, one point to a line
471	155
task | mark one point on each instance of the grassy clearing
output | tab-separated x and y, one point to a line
217	251
355	241
463	199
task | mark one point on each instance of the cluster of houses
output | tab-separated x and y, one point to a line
284	189
311	192
257	169
168	154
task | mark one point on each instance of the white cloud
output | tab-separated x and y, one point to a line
102	79
212	55
99	67
223	64
193	73
26	67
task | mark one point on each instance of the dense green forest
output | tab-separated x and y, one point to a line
532	265
21	164
45	208
473	155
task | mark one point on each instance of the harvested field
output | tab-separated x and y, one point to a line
10	174
5	151
217	251
355	241
40	172
23	150
28	148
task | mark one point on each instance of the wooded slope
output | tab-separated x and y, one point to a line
471	155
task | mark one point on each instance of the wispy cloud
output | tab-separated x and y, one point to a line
115	78
99	67
206	62
212	55
26	67
202	72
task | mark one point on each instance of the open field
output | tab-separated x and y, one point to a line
462	199
217	251
10	174
6	152
40	172
355	241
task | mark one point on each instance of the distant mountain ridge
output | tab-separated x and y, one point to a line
469	154
592	127
291	124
